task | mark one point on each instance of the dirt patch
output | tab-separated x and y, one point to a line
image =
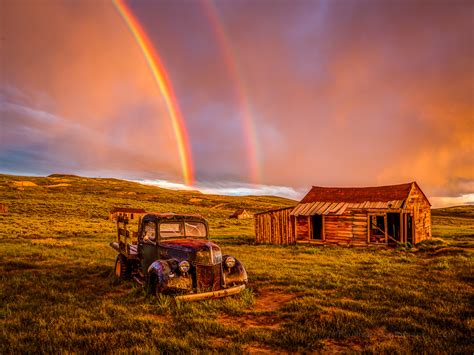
267	301
270	301
195	200
250	321
24	183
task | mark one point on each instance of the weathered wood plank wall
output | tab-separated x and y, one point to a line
421	210
349	228
275	227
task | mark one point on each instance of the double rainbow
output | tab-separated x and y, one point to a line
229	57
164	85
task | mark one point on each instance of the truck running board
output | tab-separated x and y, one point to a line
211	295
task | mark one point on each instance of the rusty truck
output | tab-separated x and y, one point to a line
172	254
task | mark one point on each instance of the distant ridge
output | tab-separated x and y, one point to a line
64	175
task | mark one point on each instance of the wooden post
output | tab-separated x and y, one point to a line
400	231
323	236
385	227
310	228
369	225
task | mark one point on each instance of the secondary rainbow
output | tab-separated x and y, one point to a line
164	85
240	89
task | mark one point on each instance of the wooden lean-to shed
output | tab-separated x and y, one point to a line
382	215
275	226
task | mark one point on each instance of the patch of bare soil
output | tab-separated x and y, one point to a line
24	183
267	301
250	321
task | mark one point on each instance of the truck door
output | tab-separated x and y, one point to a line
147	245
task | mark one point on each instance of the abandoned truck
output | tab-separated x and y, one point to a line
172	253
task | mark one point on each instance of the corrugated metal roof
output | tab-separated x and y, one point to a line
338	208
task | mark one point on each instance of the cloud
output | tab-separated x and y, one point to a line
343	93
230	188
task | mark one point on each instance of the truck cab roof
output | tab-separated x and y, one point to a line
158	217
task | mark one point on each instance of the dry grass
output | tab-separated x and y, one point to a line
59	295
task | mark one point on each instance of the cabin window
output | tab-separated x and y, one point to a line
195	229
377	228
131	215
150	231
169	230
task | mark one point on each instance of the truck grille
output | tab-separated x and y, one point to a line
208	278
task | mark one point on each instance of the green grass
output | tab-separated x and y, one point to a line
58	292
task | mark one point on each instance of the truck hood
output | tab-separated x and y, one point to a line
190	244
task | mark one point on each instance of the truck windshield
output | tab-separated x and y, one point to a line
168	230
178	229
195	229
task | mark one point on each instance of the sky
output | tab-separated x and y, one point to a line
275	96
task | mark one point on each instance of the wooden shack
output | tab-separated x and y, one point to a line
383	215
130	213
241	214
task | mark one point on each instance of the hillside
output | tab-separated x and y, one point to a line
89	200
59	293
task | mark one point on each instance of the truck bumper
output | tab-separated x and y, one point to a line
211	295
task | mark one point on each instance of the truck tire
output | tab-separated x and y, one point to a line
122	268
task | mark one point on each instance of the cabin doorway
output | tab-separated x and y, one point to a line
393	230
317	223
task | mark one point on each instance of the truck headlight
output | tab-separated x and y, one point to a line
230	262
184	266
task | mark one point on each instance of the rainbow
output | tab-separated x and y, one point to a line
240	88
163	83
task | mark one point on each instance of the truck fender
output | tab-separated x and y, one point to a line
236	275
159	272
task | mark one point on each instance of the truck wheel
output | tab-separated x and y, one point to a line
122	268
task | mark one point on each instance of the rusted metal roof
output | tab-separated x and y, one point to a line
358	194
337	200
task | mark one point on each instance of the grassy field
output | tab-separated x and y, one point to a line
58	292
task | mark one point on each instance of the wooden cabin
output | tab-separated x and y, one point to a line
241	214
383	215
130	213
